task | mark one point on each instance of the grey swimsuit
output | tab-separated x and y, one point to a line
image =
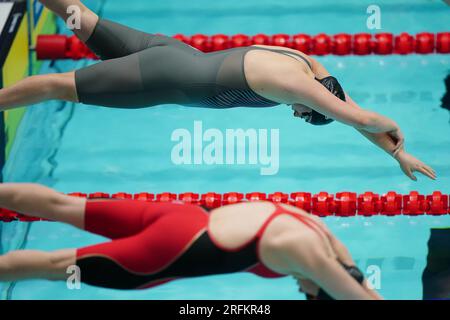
141	70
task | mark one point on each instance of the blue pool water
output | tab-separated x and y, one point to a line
82	148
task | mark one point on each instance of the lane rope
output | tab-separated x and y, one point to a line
323	204
53	47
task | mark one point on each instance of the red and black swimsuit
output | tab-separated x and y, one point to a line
154	243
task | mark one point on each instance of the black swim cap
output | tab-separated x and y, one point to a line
353	271
335	88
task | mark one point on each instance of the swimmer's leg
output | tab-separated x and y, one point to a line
39	88
42	202
106	38
112	264
111	40
116	83
109	218
88	18
32	264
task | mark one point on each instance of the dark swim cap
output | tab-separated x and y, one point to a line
335	88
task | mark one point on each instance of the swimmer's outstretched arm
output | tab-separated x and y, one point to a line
302	89
344	256
323	270
380	130
407	162
382	139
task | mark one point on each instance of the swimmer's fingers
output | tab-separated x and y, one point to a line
430	169
427	171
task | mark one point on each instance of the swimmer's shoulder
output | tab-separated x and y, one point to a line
307	57
309	67
294	209
245	208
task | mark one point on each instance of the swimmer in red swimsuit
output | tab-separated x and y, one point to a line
154	243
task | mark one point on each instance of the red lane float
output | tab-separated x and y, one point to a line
189	197
345	204
260	39
232	197
391	204
369	204
383	44
144	196
443	42
323	204
342	44
404	44
52	47
302	42
301	200
362	44
437	204
425	43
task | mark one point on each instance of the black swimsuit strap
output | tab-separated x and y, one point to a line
286	53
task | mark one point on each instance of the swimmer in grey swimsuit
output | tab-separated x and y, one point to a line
141	70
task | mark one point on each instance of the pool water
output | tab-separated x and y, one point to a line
87	149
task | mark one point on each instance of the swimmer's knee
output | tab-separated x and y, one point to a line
62	86
59	263
48	85
89	20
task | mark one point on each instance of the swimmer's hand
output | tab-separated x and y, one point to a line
410	164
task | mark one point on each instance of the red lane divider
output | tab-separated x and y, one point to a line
62	47
323	204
